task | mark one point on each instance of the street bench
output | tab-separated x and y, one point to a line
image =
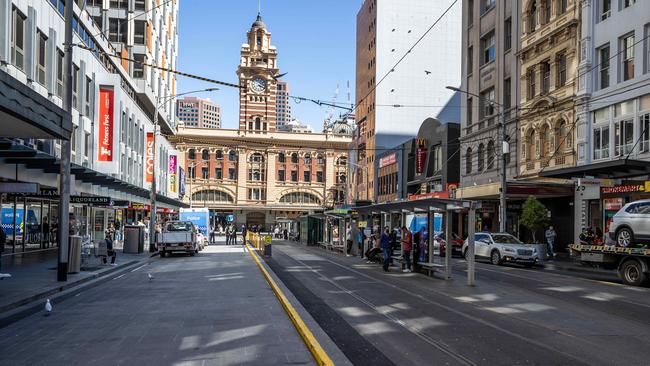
430	267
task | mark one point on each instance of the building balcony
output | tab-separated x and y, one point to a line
560	160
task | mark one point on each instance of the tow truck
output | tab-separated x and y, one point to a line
632	264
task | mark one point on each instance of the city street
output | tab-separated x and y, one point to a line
513	315
212	309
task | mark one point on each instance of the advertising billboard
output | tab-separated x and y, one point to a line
105	122
173	175
148	158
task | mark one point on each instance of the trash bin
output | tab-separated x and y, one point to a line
267	250
74	254
133	239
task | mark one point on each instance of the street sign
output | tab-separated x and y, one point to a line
268	239
230	218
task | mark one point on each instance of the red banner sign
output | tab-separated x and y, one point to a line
623	189
148	159
420	159
105	135
415	197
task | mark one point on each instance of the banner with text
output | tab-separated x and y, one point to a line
106	130
173	174
148	159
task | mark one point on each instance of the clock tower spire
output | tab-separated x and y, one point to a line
258	88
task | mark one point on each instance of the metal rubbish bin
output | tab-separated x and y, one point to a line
267	250
133	239
74	254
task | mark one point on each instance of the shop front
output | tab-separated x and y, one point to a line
615	197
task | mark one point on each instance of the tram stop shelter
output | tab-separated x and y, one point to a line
394	214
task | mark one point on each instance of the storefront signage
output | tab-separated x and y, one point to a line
628	188
230	218
415	197
420	155
121	204
172	173
105	135
387	160
148	158
102	201
139	206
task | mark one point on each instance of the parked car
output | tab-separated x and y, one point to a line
177	236
440	244
502	247
631	224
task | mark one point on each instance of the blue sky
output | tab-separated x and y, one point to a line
315	40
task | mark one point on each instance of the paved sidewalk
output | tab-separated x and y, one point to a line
34	275
215	308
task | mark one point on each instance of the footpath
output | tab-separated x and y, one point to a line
33	279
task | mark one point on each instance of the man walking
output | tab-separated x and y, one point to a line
550	241
407	247
385	247
243	235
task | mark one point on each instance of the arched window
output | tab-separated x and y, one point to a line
341	178
562	139
320	159
294	158
491	155
307	159
300	198
468	161
232	155
342	161
257	158
545	141
258	123
481	157
205	154
532	17
281	158
212	195
218	155
530	142
191	154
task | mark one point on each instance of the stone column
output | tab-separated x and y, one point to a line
329	176
242	175
271	189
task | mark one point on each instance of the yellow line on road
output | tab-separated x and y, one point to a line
307	336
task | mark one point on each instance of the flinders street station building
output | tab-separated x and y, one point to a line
255	173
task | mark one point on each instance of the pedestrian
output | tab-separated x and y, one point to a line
360	241
550	241
407	247
422	243
348	236
373	248
385	247
285	233
243	235
212	233
228	234
276	232
110	252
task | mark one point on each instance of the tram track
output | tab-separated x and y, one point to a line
441	346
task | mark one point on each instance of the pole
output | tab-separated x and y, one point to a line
449	247
504	183
152	208
471	226
66	152
193	166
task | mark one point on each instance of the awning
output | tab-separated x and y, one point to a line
613	169
424	205
18	154
26	114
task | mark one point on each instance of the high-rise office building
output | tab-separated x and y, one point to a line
383	38
198	112
283	106
144	31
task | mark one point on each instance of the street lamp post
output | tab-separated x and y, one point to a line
152	212
505	149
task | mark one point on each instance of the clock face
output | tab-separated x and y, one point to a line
258	84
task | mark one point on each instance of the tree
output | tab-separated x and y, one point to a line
534	215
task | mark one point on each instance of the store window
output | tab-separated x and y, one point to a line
627	66
232	173
18	39
307	176
623	137
319	177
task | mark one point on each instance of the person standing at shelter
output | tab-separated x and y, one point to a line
243	235
349	239
385	247
550	241
422	244
407	247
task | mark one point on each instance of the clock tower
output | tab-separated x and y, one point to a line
258	88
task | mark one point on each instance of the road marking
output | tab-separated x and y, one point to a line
307	336
462	314
144	265
120	276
